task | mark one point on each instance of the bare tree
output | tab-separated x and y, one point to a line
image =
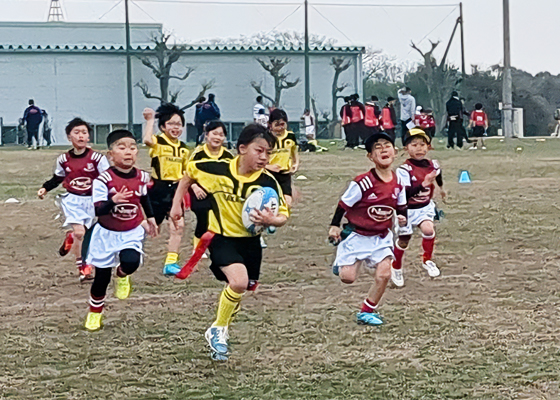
161	64
274	66
340	64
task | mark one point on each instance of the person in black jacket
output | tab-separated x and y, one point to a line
455	121
32	117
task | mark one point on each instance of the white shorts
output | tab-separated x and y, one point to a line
78	210
310	131
417	216
371	249
106	245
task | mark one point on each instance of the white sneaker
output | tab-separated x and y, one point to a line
397	277
472	148
432	268
483	147
263	243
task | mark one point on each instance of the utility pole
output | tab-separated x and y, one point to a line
507	110
128	69
462	41
307	85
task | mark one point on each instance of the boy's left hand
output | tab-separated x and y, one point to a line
151	227
262	217
402	220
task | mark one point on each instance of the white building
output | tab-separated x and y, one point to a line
79	69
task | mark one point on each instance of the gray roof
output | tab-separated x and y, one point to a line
208	49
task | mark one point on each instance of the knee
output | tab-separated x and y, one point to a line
427	229
384	270
239	284
347	275
403	241
79	232
130	261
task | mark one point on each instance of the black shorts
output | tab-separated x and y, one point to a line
225	251
161	196
285	182
477	131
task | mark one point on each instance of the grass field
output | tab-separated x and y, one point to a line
486	329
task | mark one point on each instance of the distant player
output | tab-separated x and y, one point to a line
120	196
236	254
418	175
370	205
76	170
478	122
169	163
212	149
284	160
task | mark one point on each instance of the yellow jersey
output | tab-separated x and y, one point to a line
203	153
169	160
228	192
283	152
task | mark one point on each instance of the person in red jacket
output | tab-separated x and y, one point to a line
372	118
389	117
352	114
425	121
479	123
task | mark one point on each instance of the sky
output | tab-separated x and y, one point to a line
388	25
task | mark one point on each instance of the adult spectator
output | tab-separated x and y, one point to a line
258	109
352	114
209	111
408	110
32	118
47	129
197	124
455	128
389	117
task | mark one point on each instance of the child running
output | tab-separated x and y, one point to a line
370	204
284	161
76	169
418	175
212	149
169	163
119	196
235	253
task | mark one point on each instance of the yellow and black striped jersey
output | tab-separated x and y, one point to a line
169	160
283	152
203	153
228	192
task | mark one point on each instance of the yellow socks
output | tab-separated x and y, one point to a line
195	242
229	301
171	258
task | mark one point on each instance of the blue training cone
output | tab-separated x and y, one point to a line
464	176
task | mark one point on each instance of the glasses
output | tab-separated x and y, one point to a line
174	124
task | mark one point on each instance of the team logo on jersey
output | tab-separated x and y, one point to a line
372	196
380	213
125	212
81	183
422	197
89	168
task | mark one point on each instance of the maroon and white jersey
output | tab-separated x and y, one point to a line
412	174
371	203
123	216
79	171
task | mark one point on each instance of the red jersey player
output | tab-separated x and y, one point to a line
370	205
418	175
76	169
425	121
479	123
119	196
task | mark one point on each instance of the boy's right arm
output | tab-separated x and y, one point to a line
176	213
147	136
57	179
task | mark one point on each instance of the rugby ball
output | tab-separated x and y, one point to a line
260	199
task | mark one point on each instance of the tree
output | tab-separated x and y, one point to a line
274	66
340	64
161	64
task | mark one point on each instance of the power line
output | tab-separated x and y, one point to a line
384	5
111	9
333	25
437	26
281	22
144	11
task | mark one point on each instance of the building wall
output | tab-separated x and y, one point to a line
92	85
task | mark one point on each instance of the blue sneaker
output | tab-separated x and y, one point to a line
271	230
171	269
216	336
365	318
218	357
335	269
